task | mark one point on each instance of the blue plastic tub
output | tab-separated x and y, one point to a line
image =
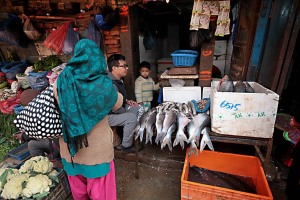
20	153
184	58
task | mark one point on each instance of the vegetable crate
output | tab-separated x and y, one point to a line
20	153
62	190
244	114
234	164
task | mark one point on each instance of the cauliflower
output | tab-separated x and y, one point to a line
13	188
6	174
38	164
36	185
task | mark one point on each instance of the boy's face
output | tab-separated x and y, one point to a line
145	72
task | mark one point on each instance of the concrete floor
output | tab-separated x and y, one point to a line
159	173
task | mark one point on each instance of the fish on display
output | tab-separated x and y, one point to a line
160	116
201	120
249	89
206	140
182	121
150	125
239	86
167	139
142	122
191	129
170	118
225	85
192	108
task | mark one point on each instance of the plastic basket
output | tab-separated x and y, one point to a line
184	58
20	153
62	189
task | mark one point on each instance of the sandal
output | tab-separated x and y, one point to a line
294	123
118	147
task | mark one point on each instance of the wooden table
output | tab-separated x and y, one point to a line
189	79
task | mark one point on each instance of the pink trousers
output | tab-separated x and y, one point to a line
102	188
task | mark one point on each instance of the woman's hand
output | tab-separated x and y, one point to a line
132	103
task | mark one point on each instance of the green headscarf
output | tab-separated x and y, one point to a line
85	92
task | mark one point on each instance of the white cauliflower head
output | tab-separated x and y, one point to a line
38	164
13	188
37	184
6	174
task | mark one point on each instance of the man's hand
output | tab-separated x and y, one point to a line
132	103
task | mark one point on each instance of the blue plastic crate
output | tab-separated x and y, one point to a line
184	58
20	153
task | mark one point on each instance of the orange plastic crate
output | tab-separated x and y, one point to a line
236	164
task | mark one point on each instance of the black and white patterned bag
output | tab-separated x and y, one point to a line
40	118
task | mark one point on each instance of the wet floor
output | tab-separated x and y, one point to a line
159	173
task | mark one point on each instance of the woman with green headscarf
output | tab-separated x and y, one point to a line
85	96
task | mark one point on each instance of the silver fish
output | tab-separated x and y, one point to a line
201	120
249	89
225	85
182	121
192	138
160	116
170	118
167	139
192	107
150	125
239	86
206	140
142	122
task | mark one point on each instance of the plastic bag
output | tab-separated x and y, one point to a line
11	31
107	19
93	33
71	39
30	31
38	80
55	40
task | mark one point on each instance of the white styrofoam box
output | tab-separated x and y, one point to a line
182	94
220	47
221	64
206	92
163	64
244	114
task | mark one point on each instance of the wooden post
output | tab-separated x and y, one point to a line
206	62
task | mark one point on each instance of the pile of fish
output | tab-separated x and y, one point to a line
180	118
227	85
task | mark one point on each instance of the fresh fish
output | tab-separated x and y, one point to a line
225	85
239	86
150	125
249	89
192	107
201	120
206	140
167	140
191	129
182	121
170	118
160	116
142	127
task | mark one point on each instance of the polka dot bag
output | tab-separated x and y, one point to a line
40	118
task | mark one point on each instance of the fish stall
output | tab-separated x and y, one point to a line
194	117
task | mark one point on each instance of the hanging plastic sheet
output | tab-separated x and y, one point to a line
71	39
55	40
93	33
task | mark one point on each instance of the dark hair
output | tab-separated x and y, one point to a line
113	60
145	64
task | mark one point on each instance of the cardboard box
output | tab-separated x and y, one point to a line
244	114
182	94
241	165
